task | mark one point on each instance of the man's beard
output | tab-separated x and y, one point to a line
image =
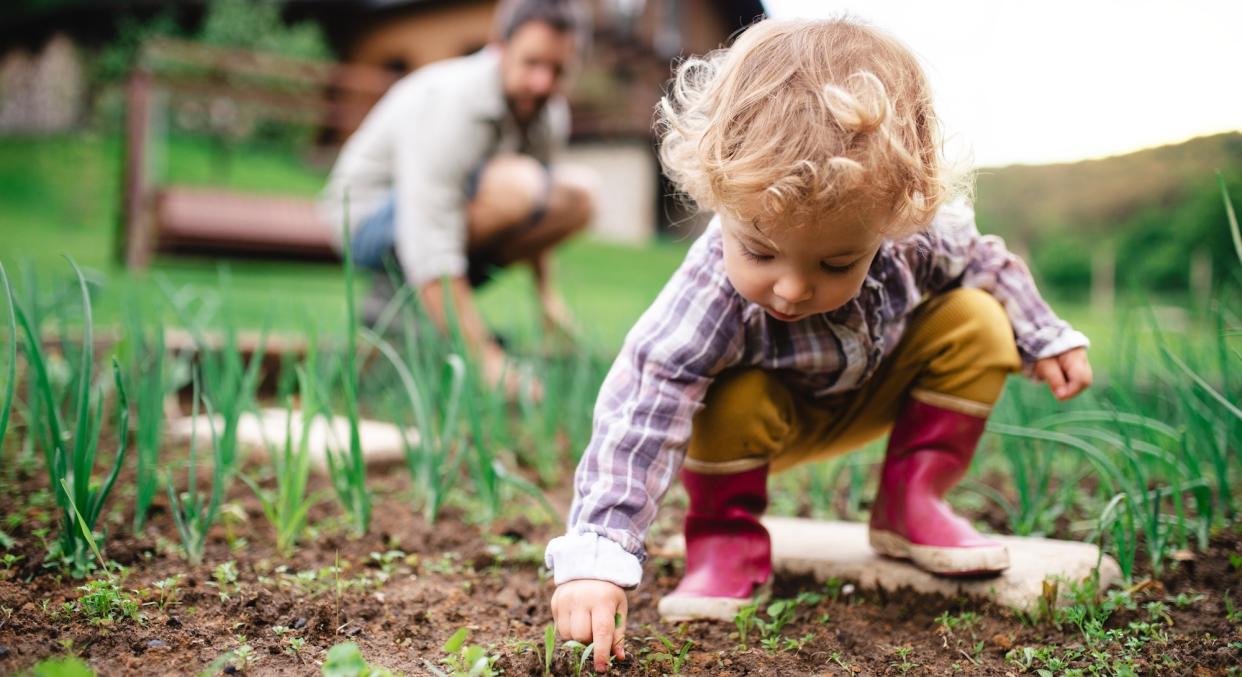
528	114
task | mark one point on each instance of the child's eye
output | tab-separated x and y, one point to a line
755	257
829	268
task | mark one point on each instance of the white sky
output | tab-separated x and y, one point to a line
1036	81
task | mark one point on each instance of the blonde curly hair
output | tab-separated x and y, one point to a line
801	119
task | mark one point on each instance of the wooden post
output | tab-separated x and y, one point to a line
136	191
1104	280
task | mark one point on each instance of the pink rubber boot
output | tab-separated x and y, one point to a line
929	451
728	552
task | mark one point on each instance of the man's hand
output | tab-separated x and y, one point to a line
501	372
557	320
586	611
1066	374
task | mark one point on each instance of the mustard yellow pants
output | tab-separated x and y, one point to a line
956	353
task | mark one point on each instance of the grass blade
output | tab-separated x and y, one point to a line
11	380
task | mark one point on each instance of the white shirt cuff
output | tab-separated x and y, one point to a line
1068	340
588	555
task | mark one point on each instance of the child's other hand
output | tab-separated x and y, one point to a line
1066	374
585	610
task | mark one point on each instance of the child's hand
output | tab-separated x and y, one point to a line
1066	374
585	610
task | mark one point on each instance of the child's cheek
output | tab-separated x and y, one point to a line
747	281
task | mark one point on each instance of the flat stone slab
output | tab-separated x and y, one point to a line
381	442
840	550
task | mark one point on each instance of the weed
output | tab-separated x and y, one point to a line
294	646
676	657
167	591
1232	614
580	654
834	587
103	602
224	579
346	660
237	659
903	664
839	659
745	622
549	648
61	666
1184	600
796	645
465	660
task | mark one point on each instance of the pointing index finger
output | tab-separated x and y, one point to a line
602	627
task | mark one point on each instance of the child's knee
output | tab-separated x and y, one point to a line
746	415
984	336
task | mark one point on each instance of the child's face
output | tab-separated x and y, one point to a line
794	272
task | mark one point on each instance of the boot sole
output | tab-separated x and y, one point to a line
940	560
682	608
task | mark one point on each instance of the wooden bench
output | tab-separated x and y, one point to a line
172	219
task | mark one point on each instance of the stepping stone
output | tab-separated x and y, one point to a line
381	442
840	550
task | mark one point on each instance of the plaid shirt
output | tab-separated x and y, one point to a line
699	326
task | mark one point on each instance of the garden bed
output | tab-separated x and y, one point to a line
405	588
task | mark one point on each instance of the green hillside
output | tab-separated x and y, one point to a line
1157	209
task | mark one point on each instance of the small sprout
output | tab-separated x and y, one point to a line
464	660
167	591
224	578
103	601
345	660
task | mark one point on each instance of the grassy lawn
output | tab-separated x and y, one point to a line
60	195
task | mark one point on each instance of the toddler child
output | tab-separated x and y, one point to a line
841	292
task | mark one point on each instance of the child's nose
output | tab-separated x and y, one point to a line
792	289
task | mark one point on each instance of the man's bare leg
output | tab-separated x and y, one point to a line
512	189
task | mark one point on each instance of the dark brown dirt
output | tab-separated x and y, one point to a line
488	578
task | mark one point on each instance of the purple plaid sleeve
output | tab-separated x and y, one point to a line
960	254
643	415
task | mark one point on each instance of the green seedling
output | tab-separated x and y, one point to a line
61	666
193	514
287	507
464	660
346	660
224	579
580	654
674	656
148	369
103	602
434	460
903	664
347	468
549	648
10	382
167	591
745	621
70	456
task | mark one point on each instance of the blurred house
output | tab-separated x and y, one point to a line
44	84
613	96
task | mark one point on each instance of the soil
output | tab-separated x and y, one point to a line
488	578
